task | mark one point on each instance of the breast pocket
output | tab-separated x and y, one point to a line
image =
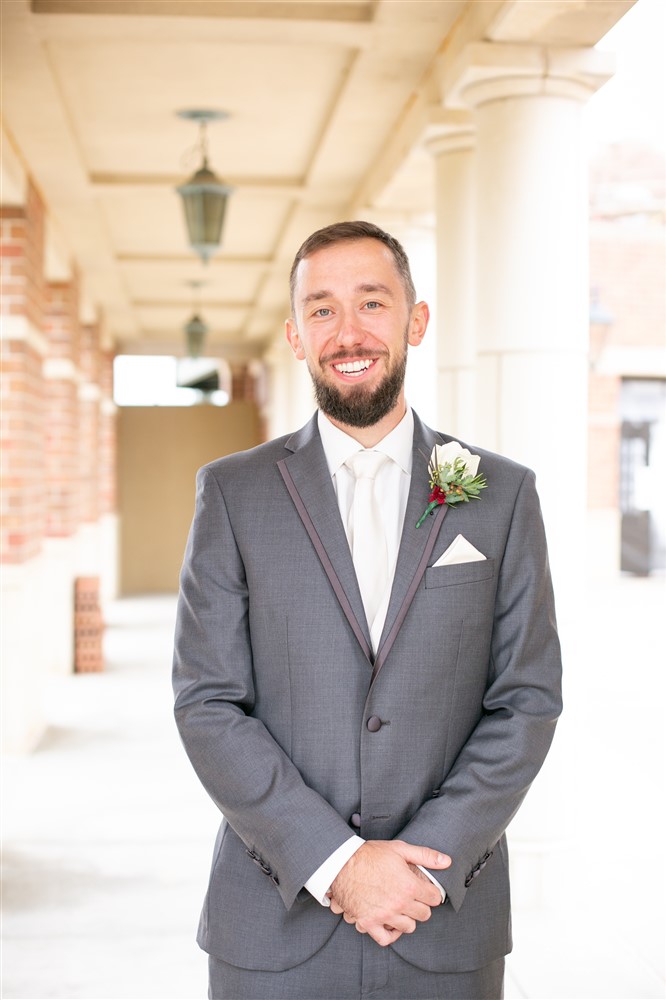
463	590
459	574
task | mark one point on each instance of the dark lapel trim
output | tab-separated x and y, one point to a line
325	561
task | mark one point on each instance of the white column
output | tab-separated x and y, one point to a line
453	151
421	389
291	398
531	285
531	292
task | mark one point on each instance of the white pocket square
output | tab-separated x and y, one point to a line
459	551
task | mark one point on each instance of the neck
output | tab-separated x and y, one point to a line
368	437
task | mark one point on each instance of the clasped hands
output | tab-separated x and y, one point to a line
382	892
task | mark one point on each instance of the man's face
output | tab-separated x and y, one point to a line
352	324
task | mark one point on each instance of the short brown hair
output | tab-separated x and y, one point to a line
340	232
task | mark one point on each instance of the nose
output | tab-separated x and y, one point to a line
349	331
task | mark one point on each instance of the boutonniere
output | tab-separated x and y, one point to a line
453	478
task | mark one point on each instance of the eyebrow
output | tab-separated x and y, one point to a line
317	296
367	288
375	287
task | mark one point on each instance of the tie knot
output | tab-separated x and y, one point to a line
366	464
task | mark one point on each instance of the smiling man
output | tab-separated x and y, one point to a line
366	700
354	332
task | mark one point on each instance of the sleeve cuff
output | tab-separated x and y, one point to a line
433	880
320	881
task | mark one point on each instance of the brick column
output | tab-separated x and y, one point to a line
107	478
247	387
22	348
88	622
108	423
242	384
89	396
63	427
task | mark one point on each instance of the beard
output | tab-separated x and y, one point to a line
358	406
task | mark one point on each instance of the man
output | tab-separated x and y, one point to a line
367	701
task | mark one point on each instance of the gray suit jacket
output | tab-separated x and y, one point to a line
275	683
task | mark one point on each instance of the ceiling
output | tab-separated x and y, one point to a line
328	104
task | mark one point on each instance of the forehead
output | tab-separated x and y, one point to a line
346	265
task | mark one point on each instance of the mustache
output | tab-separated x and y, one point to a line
357	354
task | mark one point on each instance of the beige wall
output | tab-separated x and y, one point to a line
159	451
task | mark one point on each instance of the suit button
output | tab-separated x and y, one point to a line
356	820
374	723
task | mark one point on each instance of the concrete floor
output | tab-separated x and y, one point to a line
107	834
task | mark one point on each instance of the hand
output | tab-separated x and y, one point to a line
379	891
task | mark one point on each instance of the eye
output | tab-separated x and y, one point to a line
323	312
372	305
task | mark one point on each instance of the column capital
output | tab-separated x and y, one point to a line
490	71
456	133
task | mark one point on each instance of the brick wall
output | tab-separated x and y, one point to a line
627	267
89	423
247	387
63	427
603	441
21	354
58	425
108	492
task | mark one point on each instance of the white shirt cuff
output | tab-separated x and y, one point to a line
433	880
320	882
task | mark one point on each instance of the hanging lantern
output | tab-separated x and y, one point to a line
204	195
195	334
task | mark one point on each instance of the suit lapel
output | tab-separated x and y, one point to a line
307	478
417	543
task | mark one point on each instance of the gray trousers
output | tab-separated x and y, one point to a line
351	966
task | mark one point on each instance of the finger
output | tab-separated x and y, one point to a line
335	907
382	935
418	911
425	892
404	924
399	923
348	919
420	874
418	855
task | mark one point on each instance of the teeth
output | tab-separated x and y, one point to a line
353	367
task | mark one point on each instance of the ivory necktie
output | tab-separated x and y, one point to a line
366	531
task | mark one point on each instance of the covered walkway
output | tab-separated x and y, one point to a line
108	834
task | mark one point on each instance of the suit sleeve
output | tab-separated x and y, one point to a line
287	827
522	701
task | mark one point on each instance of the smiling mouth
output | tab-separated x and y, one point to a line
354	368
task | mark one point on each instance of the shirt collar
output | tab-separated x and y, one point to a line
338	446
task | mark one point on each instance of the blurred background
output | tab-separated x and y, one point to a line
161	162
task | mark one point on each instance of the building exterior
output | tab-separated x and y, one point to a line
627	396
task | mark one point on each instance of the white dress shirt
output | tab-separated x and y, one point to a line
394	479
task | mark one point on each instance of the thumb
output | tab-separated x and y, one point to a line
418	855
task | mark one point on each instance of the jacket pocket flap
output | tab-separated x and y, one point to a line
459	573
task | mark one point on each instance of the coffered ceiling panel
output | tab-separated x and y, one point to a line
171	281
134	218
224	324
122	97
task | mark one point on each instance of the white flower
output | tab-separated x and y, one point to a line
446	454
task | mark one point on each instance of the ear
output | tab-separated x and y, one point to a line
293	339
418	324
